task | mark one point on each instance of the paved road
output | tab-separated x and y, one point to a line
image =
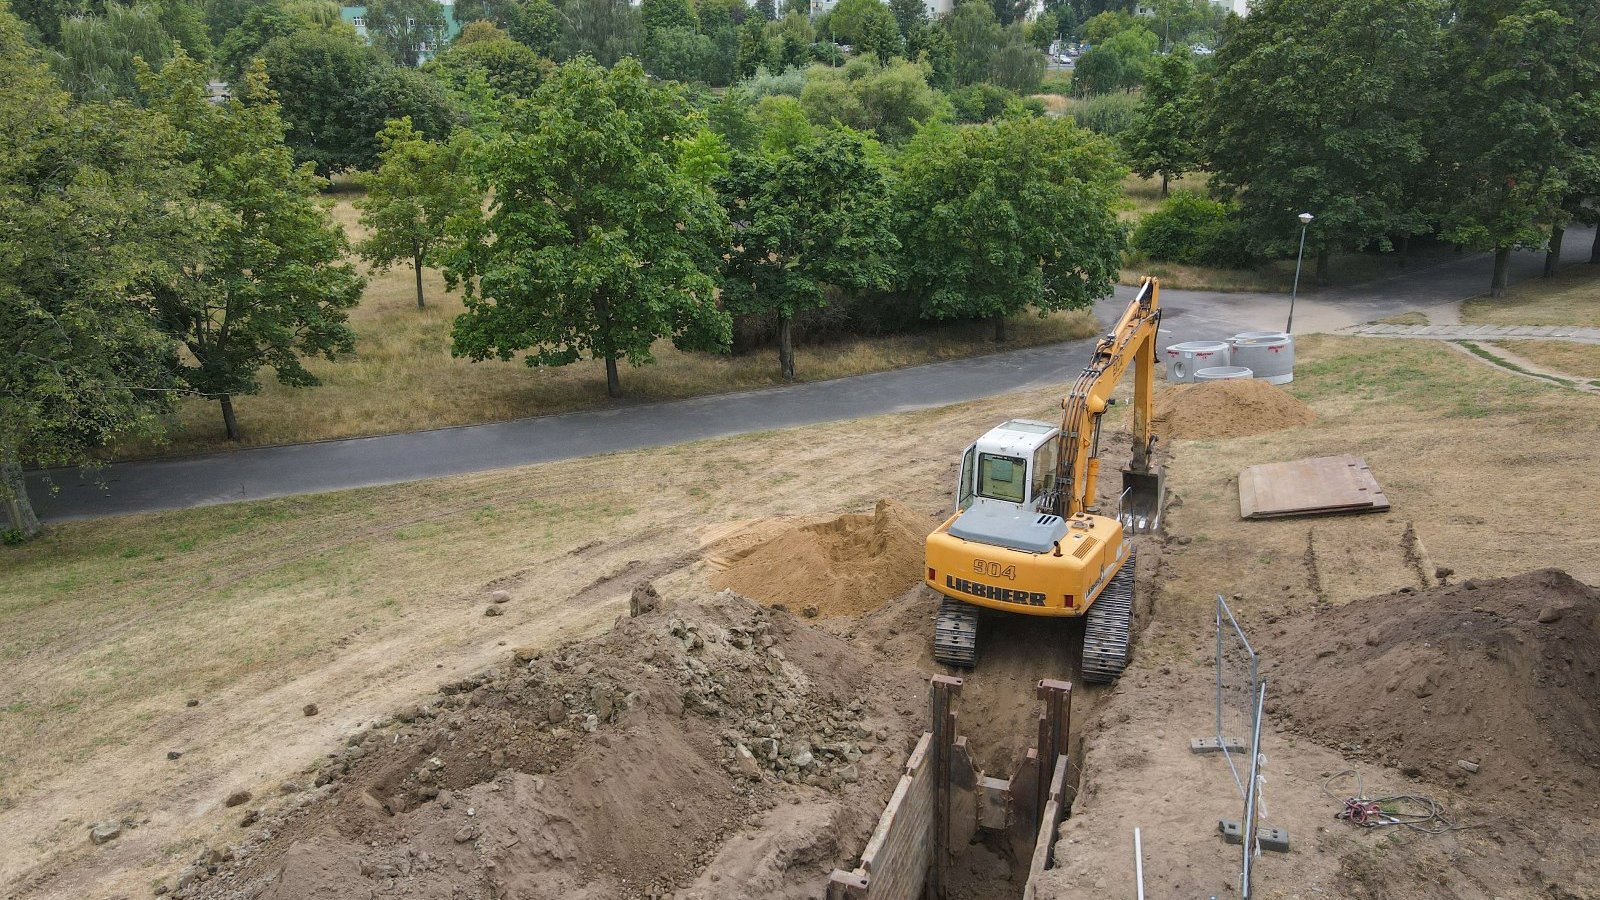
145	486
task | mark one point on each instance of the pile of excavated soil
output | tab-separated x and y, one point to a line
1225	409
842	567
694	749
1501	673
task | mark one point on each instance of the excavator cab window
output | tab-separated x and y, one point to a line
964	488
1044	472
1002	477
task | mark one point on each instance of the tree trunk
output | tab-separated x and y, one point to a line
786	347
1552	256
14	490
613	383
1502	268
1322	268
1594	251
229	419
1405	251
1163	184
1000	330
416	265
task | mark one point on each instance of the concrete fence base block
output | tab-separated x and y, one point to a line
1215	745
1232	831
1276	839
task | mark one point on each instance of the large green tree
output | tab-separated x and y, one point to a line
1508	67
994	219
268	281
975	36
1165	138
89	197
419	189
597	243
336	93
806	220
1322	106
868	25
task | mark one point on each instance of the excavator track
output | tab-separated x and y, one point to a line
955	634
1108	627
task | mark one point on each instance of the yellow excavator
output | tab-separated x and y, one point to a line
1028	536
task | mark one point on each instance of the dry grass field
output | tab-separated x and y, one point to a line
1571	297
1579	360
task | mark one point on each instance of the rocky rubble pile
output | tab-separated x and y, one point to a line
688	716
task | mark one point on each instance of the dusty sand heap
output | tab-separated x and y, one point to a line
1501	673
1224	409
616	767
844	566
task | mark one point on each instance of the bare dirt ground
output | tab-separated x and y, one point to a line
365	603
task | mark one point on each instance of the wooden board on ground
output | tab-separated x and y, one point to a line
1309	487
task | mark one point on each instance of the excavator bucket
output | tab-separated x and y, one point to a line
1143	495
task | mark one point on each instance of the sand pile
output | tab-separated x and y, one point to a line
1501	673
622	766
1224	409
841	567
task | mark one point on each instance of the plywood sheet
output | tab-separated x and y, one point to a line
1308	487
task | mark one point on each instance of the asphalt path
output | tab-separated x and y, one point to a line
258	473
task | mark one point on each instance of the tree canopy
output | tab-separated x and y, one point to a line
999	218
419	190
597	242
805	220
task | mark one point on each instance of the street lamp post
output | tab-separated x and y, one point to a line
1305	221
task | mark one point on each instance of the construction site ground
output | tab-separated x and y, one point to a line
343	660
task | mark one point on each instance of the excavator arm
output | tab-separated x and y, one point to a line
1132	343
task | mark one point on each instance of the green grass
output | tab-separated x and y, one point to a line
1494	359
1338	374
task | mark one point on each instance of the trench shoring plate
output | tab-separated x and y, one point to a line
1309	487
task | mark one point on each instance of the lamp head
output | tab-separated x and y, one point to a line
1305	218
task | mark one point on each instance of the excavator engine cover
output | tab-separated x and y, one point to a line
1143	495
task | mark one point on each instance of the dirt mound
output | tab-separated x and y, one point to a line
1225	409
621	766
1499	673
843	567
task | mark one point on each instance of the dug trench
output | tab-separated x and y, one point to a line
708	745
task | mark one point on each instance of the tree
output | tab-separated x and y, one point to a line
1043	31
975	34
1507	68
402	28
97	53
806	220
596	242
1165	140
891	101
510	67
656	15
338	92
679	53
268	281
1116	64
245	41
868	25
606	30
1323	107
909	15
1017	65
87	201
419	189
996	218
766	10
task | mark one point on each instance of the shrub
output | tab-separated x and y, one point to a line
981	102
765	84
1108	114
1194	230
